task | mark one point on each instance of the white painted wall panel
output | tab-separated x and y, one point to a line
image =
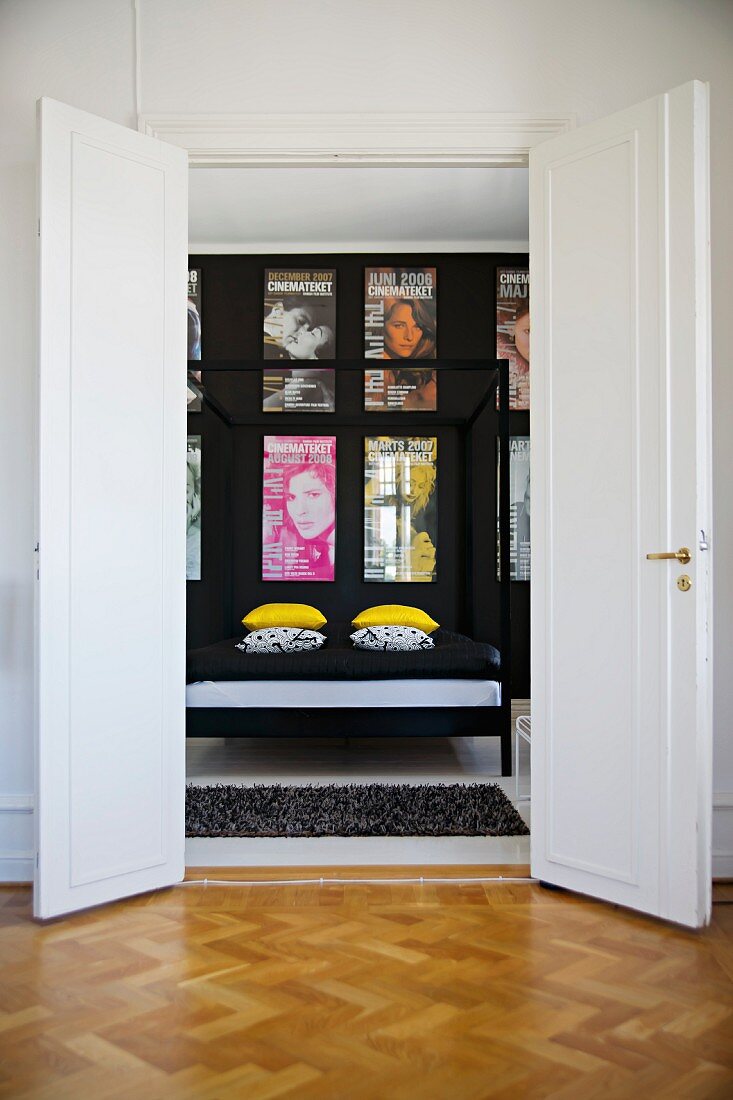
593	777
116	627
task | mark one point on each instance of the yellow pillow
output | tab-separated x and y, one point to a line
284	614
395	614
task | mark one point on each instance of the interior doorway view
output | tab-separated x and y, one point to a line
469	225
608	819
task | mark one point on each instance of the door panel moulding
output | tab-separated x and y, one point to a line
302	140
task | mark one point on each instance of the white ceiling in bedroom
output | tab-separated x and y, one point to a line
253	209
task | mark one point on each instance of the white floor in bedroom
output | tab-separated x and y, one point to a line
372	760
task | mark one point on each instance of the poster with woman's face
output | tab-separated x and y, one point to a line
400	508
194	338
299	508
193	508
400	324
512	331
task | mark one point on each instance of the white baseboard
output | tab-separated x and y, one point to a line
17	841
16	838
16	868
723	834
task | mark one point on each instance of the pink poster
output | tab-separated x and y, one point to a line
299	508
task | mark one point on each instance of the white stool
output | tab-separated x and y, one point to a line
523	732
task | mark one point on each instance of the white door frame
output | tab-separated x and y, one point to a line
477	139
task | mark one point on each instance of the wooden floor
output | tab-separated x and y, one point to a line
393	992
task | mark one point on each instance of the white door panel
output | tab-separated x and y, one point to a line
618	252
111	588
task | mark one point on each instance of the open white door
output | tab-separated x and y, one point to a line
621	704
111	512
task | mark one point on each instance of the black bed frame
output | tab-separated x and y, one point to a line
468	721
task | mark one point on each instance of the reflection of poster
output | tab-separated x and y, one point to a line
193	508
520	551
194	397
194	338
400	323
512	331
299	508
299	390
400	508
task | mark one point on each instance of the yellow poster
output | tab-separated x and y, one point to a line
400	508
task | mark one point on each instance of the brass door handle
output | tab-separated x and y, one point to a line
682	555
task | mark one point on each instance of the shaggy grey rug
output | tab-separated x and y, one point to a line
371	809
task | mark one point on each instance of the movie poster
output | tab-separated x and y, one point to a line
193	508
299	328
400	324
512	331
400	508
299	508
301	389
194	338
520	550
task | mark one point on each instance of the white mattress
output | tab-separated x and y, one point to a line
344	693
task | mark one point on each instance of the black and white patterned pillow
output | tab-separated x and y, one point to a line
392	638
281	639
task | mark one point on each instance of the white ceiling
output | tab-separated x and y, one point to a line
352	208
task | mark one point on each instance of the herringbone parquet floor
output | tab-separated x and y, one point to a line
360	992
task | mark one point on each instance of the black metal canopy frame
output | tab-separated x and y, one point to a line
449	721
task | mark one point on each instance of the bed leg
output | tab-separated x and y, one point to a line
506	752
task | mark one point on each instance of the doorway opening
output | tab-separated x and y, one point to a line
470	223
598	828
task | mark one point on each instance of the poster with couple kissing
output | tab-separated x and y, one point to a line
299	331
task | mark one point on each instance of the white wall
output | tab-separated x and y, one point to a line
80	51
588	57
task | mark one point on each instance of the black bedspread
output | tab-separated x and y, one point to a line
454	657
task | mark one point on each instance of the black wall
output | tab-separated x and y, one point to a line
231	307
